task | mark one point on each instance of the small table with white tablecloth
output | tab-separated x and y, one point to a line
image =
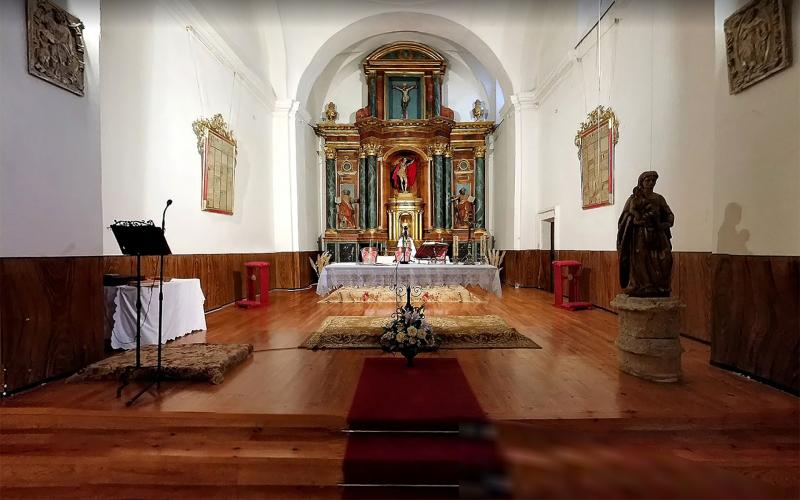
183	312
337	275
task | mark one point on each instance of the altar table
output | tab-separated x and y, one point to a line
337	275
183	312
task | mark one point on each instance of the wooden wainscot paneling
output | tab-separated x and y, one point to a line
51	317
528	268
755	317
691	282
221	275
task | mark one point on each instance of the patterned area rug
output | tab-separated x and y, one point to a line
457	332
199	362
431	294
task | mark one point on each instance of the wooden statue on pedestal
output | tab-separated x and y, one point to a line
649	319
643	241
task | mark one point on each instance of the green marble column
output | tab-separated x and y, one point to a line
330	188
448	191
372	95
362	192
438	186
372	192
480	187
437	95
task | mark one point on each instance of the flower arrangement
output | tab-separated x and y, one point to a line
409	333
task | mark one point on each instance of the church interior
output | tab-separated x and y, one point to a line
399	249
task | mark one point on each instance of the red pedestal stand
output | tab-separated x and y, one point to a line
253	271
572	275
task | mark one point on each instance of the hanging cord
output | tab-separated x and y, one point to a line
230	106
599	87
200	95
652	74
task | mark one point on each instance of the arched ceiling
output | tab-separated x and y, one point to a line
349	61
367	34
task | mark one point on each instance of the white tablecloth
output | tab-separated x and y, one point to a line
362	275
183	312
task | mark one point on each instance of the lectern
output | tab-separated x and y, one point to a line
139	238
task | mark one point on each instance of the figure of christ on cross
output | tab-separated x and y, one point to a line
405	89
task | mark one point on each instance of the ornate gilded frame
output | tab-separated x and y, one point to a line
757	43
218	151
601	128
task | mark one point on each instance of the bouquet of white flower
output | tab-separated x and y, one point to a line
409	334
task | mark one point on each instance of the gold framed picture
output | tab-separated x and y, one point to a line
217	148
596	139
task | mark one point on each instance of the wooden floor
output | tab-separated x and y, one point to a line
571	385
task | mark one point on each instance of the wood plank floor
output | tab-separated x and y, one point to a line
271	429
574	375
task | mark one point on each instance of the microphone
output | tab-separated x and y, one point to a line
164	214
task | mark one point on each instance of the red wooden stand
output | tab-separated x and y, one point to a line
252	273
573	272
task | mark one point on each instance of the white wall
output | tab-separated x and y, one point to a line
656	72
309	178
757	155
503	184
50	201
158	79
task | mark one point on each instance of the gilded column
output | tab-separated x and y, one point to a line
362	188
448	188
330	188
480	187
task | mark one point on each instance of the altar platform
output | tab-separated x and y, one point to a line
337	275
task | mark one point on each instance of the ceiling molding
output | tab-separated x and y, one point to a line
194	22
555	77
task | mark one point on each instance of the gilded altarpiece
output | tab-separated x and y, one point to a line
402	164
217	148
596	140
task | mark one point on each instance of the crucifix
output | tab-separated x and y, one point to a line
405	89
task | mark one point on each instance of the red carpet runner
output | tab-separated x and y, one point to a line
419	433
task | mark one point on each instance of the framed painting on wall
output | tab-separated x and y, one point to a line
596	139
217	148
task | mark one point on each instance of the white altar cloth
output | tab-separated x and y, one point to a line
362	275
183	312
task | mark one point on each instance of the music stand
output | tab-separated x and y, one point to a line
137	238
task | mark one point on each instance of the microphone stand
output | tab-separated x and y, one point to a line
160	316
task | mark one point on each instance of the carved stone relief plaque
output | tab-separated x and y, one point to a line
55	46
756	43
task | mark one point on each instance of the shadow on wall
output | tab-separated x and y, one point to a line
729	239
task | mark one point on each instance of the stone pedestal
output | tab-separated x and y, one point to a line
648	344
